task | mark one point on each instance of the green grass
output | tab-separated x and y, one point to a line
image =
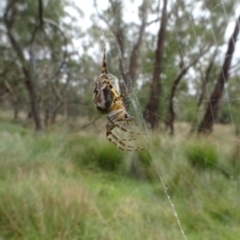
202	155
87	151
79	186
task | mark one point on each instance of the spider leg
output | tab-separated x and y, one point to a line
117	124
115	136
110	134
119	142
123	146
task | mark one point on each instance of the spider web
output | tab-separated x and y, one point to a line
136	109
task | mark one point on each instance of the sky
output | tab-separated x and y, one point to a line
131	14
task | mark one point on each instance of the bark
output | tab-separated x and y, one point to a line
33	99
205	80
118	32
213	105
151	111
60	100
46	117
171	113
14	98
133	66
9	19
47	104
54	112
15	115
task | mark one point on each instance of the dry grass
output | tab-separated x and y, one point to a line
52	187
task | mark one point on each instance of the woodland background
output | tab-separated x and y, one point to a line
183	70
59	176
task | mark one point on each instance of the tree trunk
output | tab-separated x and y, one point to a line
14	98
46	117
15	112
28	80
205	79
169	122
213	105
120	43
151	112
33	100
133	66
118	30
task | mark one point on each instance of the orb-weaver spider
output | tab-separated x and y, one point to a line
109	100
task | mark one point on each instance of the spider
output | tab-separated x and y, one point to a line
109	100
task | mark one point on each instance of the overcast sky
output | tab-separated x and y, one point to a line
130	14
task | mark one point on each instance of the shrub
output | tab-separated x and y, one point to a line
235	159
145	158
89	151
202	155
42	144
82	150
109	157
142	166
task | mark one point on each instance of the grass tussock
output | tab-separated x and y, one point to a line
78	186
40	207
202	155
87	151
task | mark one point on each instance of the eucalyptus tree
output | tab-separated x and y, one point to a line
217	93
36	46
151	110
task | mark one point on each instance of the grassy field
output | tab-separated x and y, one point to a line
57	185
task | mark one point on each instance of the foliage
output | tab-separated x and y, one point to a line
110	157
142	166
84	152
43	194
235	160
202	155
69	92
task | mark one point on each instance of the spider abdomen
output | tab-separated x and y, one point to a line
104	93
105	100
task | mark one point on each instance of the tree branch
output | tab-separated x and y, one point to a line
169	122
